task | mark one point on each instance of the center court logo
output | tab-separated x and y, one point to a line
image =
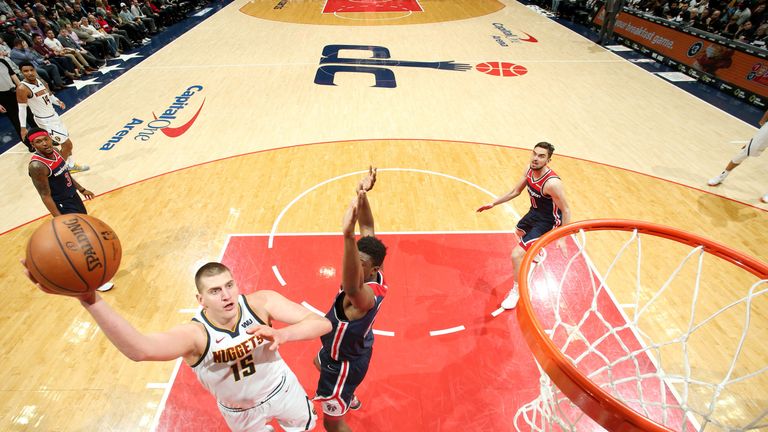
380	65
160	123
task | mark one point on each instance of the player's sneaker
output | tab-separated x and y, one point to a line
714	181
75	168
764	198
355	404
510	301
541	256
106	287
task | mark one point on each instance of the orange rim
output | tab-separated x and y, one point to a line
603	408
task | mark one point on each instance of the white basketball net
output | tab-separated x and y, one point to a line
628	363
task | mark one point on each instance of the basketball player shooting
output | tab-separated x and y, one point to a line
346	353
242	369
549	209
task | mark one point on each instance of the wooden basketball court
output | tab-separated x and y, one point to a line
242	126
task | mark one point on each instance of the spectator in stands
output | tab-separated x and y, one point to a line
68	42
65	65
121	36
731	28
745	32
758	15
34	29
714	24
742	13
46	25
148	22
77	58
99	34
60	19
45	69
134	31
86	38
128	17
5	9
25	32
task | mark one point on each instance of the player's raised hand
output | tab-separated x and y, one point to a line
88	297
267	333
485	207
366	184
350	217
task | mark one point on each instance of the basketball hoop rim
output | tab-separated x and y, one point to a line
606	410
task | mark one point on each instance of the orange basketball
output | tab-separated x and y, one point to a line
73	254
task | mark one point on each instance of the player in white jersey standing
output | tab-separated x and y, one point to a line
232	348
34	92
754	148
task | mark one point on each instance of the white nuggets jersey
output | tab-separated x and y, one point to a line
40	103
238	368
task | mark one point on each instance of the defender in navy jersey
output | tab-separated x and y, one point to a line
232	348
549	209
51	177
346	352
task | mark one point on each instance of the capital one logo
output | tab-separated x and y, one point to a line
162	122
380	65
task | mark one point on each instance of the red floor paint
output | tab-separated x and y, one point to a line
475	379
344	6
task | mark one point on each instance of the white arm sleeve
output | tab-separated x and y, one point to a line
23	115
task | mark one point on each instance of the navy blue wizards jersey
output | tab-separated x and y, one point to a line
540	203
352	339
59	180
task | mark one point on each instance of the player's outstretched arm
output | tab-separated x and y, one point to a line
187	340
517	190
364	213
359	294
304	324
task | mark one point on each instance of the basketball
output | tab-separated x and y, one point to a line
73	254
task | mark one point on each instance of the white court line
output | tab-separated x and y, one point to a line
278	275
497	312
446	331
166	393
383	333
421	171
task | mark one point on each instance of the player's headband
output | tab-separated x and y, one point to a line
34	135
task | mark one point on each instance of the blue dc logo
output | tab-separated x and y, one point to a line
378	65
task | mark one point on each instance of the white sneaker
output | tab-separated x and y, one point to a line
764	198
714	181
106	287
510	301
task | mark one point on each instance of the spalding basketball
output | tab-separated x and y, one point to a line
73	254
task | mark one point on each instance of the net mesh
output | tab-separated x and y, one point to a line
663	344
